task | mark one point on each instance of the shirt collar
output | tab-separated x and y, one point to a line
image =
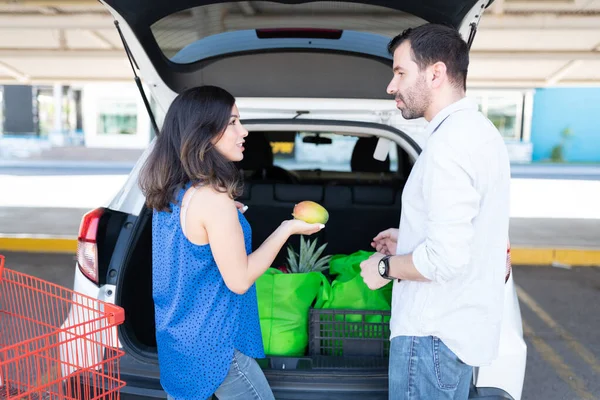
465	103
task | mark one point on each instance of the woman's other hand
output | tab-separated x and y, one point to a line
299	227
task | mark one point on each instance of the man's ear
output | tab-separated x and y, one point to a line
439	75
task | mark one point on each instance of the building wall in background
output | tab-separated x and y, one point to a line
114	116
558	109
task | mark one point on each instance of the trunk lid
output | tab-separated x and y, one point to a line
286	48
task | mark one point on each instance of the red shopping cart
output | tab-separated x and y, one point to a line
55	343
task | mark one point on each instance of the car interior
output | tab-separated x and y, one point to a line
360	202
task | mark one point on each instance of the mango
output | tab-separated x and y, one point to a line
311	212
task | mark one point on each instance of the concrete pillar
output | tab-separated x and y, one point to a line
78	111
58	110
18	110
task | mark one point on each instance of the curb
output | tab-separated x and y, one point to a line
539	256
38	243
574	257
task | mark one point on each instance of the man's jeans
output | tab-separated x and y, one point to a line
245	380
423	368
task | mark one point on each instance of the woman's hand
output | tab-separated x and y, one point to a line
299	227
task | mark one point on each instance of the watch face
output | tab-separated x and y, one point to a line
381	268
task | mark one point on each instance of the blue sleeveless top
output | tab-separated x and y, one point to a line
199	321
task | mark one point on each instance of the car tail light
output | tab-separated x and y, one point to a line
87	249
298	33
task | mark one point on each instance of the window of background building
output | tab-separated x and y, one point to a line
504	109
45	105
117	117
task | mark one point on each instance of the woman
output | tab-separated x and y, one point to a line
207	325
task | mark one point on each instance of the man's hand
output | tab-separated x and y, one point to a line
370	272
385	242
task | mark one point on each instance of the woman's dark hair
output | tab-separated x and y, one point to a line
184	150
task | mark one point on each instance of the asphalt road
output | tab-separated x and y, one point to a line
559	309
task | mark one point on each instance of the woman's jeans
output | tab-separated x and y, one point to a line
245	380
424	368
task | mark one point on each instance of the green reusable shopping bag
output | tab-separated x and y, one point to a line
348	289
283	303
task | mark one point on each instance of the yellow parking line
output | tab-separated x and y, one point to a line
560	366
548	255
571	342
38	243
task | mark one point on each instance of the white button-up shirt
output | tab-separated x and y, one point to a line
455	215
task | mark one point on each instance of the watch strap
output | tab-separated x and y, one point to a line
386	262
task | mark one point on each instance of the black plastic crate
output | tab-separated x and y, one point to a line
349	333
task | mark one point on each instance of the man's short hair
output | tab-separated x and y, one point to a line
431	43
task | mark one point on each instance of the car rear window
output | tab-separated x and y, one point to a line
320	19
299	151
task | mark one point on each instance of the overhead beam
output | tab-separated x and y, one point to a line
99	38
534	55
527	83
60	53
50	80
62	39
497	7
56	21
246	8
13	72
51	3
562	72
47	10
539	21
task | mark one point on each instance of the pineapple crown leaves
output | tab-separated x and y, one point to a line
308	259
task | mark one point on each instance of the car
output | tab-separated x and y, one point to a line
310	80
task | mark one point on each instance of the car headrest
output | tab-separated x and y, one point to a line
362	157
258	153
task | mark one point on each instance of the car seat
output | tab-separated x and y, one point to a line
362	157
257	164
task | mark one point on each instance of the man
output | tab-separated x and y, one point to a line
448	257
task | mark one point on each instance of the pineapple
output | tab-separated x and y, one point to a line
308	260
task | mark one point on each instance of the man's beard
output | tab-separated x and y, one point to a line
416	100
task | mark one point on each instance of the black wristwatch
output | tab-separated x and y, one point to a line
384	267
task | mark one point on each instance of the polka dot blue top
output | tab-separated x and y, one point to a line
199	321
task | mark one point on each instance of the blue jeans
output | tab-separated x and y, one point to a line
424	368
245	380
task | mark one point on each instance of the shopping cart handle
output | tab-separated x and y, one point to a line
116	314
1	266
